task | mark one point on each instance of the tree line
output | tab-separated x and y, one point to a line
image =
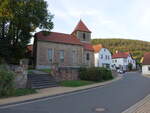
136	47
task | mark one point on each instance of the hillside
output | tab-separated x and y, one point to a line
136	47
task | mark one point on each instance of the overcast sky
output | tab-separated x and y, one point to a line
105	18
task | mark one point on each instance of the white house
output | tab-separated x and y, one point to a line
102	56
120	60
146	64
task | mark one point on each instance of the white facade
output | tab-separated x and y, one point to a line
103	58
122	63
146	69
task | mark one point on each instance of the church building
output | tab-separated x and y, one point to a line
65	50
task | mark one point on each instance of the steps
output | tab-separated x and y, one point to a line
39	81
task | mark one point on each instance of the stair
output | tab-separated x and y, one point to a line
39	81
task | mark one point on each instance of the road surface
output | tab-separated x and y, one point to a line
111	98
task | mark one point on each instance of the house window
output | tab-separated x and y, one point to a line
61	55
101	56
83	36
87	56
106	57
115	60
50	55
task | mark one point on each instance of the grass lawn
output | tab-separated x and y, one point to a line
21	92
45	70
75	83
24	91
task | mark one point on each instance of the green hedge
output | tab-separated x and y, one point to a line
6	82
95	74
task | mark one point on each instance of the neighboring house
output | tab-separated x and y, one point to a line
102	56
71	50
120	60
146	64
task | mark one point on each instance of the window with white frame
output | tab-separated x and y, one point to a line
61	55
50	55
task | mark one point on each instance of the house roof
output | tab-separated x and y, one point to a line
63	38
97	48
81	27
120	55
146	59
29	47
58	38
87	46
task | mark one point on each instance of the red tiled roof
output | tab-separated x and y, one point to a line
97	47
81	27
58	38
63	38
29	47
120	55
87	46
146	59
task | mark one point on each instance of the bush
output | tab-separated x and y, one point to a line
130	66
95	74
6	82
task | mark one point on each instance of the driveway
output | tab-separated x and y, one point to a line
111	98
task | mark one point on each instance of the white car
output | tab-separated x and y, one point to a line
120	71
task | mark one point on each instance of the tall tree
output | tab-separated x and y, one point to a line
18	19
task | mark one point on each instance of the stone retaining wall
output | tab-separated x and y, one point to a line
65	73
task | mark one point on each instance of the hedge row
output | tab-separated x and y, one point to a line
95	74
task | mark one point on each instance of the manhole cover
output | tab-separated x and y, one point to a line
98	110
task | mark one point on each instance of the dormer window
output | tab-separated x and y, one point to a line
83	36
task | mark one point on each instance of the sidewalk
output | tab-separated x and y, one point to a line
142	106
51	92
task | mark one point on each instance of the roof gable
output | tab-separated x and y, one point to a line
81	27
97	48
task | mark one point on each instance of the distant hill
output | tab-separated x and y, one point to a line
136	47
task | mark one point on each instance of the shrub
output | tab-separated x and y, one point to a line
95	74
130	66
6	82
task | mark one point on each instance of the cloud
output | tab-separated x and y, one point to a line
106	18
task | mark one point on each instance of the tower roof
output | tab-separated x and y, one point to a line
81	27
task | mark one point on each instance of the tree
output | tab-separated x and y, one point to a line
18	19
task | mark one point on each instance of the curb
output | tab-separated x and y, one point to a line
84	88
139	104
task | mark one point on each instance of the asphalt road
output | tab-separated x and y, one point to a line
112	98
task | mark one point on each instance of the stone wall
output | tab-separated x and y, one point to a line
42	54
90	62
65	73
79	35
21	72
